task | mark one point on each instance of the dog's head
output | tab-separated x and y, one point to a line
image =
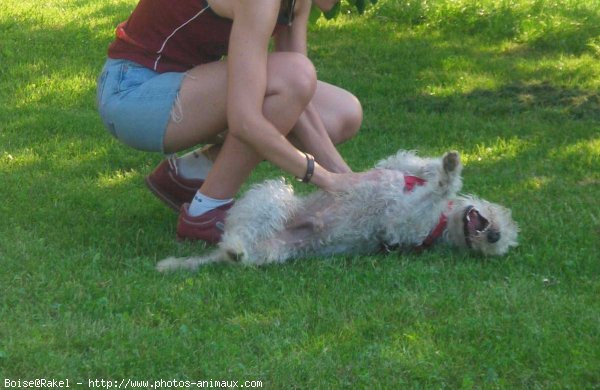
481	226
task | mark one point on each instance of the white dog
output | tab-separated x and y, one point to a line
412	204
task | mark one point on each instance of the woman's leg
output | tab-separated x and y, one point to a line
340	111
200	115
333	116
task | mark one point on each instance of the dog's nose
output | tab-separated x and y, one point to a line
493	236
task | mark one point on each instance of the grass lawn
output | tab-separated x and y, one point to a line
512	84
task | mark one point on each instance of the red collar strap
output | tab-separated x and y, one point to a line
428	242
410	182
436	233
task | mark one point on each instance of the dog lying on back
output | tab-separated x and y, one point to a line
412	205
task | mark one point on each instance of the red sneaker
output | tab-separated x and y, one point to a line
169	186
206	227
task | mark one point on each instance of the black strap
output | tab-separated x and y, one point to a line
310	168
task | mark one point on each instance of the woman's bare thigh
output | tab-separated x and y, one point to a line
199	114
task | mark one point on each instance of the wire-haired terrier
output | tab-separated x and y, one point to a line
412	204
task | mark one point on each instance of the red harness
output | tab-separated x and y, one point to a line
410	182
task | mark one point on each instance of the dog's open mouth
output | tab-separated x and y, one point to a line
474	224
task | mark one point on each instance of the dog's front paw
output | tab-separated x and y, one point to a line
451	161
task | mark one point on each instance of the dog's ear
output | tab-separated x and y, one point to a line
510	227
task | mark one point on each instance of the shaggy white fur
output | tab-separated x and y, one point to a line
272	224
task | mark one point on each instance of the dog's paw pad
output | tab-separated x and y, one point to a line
451	161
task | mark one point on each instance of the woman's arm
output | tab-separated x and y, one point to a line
253	25
309	133
293	38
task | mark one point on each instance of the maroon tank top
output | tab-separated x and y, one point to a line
172	36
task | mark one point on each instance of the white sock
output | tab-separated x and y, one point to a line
202	204
194	165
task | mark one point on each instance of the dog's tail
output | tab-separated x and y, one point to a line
171	264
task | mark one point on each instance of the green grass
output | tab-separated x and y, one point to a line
513	85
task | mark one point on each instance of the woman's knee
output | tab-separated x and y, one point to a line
292	75
352	119
348	120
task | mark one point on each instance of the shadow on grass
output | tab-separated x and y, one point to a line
394	81
573	31
515	98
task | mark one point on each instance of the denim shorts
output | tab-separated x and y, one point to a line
135	103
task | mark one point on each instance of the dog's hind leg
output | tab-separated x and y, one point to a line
260	212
